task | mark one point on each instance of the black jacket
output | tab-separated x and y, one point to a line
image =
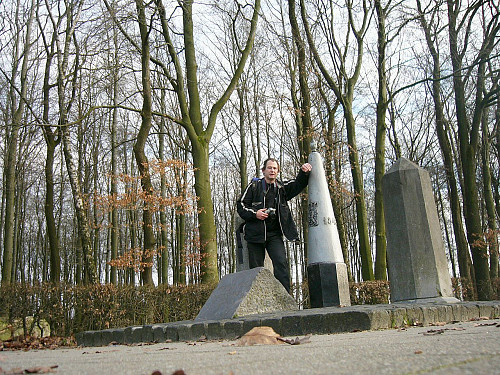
252	200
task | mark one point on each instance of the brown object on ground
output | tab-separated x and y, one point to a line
259	336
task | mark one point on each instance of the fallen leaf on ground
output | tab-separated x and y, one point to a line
29	343
259	336
433	332
487	324
297	340
267	336
418	352
40	369
32	370
13	371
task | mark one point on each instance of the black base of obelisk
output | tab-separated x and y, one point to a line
328	284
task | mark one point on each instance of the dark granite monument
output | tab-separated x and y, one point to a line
417	264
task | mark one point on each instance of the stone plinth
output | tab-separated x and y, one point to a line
254	291
417	263
324	288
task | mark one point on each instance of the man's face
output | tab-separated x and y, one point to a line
271	171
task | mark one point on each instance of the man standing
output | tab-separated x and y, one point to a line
263	206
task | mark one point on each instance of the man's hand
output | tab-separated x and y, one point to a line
262	214
306	167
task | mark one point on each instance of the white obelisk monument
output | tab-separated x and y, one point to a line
326	270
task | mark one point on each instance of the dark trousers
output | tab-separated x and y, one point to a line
276	250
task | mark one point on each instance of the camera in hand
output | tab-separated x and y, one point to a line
270	211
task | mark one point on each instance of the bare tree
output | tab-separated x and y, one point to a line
21	59
431	37
343	85
460	26
68	21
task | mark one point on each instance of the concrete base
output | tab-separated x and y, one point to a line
436	300
295	323
328	284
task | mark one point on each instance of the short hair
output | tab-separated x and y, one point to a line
270	159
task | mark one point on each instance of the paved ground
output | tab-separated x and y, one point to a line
461	348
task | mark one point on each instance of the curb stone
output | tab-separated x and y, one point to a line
294	323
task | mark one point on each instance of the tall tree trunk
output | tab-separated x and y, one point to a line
11	156
382	103
52	141
345	97
468	134
496	181
464	261
192	121
489	202
55	259
302	110
114	176
163	193
90	272
359	196
207	229
140	155
333	170
242	160
181	248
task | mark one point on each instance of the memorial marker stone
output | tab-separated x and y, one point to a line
417	264
327	272
254	291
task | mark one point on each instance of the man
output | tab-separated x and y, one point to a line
263	206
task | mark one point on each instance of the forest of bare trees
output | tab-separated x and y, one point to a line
129	128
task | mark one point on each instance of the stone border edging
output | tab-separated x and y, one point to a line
295	323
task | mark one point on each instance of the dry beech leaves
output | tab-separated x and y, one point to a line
433	332
267	336
32	370
30	343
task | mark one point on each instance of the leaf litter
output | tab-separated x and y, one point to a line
267	336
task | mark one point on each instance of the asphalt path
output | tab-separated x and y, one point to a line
460	348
